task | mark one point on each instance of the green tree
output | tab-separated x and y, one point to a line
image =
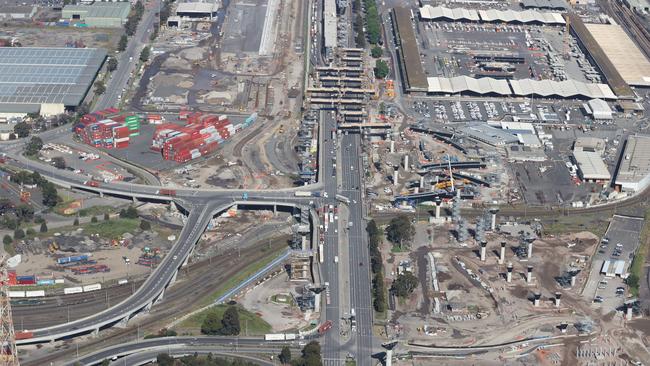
30	232
6	240
75	222
22	129
381	69
404	284
311	354
107	217
124	41
211	324
144	55
106	362
58	162
50	195
400	231
19	234
145	225
43	228
379	292
376	52
100	87
24	212
93	219
633	281
129	213
230	322
285	355
111	65
164	359
34	145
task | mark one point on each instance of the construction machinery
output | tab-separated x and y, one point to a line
8	353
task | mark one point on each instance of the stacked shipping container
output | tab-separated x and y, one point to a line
108	129
201	136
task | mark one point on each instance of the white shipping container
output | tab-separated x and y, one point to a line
289	337
93	287
59	280
274	337
221	118
121	140
16	293
122	282
39	293
72	290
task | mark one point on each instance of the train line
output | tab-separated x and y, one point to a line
631	22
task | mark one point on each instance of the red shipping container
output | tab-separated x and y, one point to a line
121	145
12	278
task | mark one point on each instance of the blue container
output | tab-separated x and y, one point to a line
45	282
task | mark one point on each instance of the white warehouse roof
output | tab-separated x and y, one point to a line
634	171
197	7
526	16
564	89
599	109
460	84
591	165
429	12
439	12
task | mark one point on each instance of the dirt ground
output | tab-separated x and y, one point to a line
282	316
34	36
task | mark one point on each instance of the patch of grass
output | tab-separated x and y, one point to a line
636	268
350	362
96	211
56	286
9	249
250	323
112	229
596	224
397	249
245	273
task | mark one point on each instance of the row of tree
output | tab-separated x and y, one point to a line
50	194
377	266
373	23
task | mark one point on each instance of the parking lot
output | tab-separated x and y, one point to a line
91	165
619	243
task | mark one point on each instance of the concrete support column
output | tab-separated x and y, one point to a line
628	311
502	254
529	274
483	249
557	299
389	357
392	147
406	163
101	194
396	177
536	297
509	273
438	204
530	250
573	279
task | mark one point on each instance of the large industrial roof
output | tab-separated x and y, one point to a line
460	84
624	54
635	165
439	12
329	15
101	10
47	75
409	53
591	165
524	87
200	8
526	16
564	89
545	4
508	16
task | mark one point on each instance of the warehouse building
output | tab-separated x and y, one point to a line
46	80
490	16
559	5
624	54
98	14
588	143
598	109
198	10
591	166
410	66
330	25
634	165
490	135
595	52
18	12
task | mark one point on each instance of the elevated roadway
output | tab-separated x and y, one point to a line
156	346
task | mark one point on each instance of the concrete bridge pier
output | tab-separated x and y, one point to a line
173	278
123	323
95	333
160	297
101	194
147	308
275	210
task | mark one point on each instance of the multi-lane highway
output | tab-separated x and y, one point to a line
360	297
128	59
